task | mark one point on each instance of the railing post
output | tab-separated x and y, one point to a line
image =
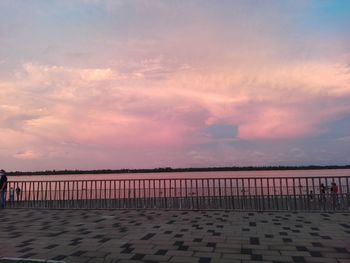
347	192
243	194
165	192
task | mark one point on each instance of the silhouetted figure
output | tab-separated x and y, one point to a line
311	196
12	196
18	193
334	195
323	196
3	188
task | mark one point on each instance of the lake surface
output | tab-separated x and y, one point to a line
188	175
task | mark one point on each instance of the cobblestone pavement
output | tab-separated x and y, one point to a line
174	236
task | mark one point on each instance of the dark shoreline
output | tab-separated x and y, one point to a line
177	170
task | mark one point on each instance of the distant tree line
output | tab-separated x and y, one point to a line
190	169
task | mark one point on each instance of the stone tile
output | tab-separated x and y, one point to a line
207	255
80	259
157	257
235	256
226	261
105	234
179	259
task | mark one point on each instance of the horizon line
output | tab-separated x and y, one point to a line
182	169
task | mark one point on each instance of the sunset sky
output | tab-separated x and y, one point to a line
89	84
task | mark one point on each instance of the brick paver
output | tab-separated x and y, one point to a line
110	236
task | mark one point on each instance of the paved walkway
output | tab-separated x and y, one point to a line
174	236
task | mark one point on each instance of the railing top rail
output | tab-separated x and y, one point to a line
183	179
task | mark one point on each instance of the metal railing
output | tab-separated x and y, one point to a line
282	193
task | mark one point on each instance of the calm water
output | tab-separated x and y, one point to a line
188	175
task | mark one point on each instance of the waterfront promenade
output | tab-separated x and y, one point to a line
95	236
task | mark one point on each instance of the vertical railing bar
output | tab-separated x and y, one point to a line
80	192
281	194
139	196
256	204
249	194
89	198
301	199
243	194
201	193
197	194
85	189
101	191
321	195
29	192
64	193
68	190
186	195
149	194
55	194
347	192
129	194
191	193
115	193
165	194
238	193
38	193
124	193
50	191
134	193
104	203
224	194
232	203
339	197
74	194
307	195
45	196
145	196
327	193
294	193
173	203
208	199
262	193
119	194
108	201
287	191
154	193
34	192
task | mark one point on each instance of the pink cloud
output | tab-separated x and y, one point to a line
105	110
27	155
276	124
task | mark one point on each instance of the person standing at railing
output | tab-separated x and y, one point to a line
12	196
311	195
3	188
323	196
18	192
334	194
